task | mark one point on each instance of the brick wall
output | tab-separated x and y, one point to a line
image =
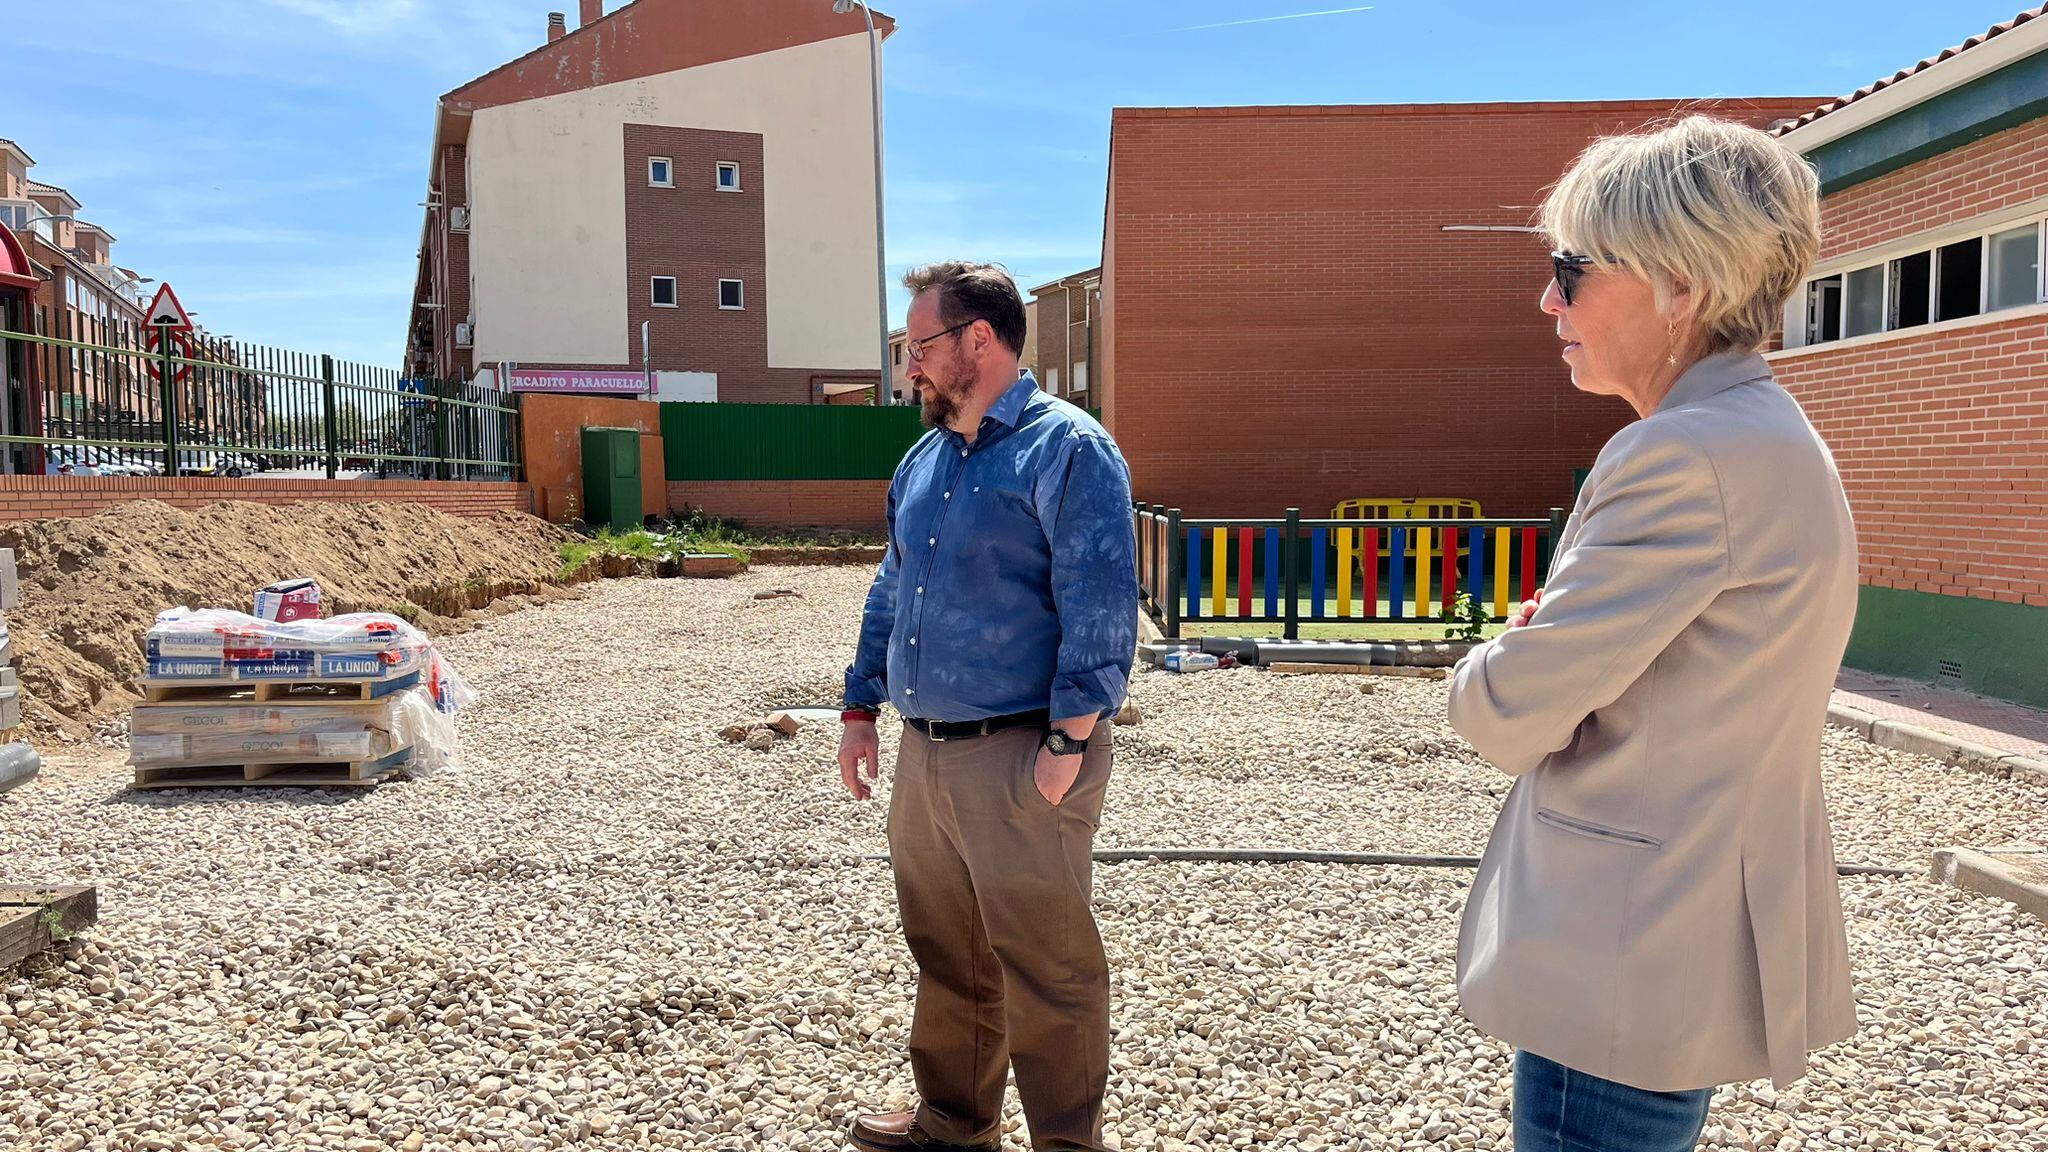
1942	437
2000	171
861	505
700	236
44	497
1291	325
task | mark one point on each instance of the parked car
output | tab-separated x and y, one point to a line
212	462
91	460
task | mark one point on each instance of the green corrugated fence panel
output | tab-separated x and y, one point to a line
786	441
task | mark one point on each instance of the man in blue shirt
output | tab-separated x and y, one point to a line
1001	626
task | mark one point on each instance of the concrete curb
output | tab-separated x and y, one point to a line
1994	873
1906	737
1148	631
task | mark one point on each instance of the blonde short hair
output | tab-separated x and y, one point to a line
1722	209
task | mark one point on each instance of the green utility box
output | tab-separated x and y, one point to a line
611	478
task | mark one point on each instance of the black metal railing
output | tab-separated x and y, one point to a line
115	399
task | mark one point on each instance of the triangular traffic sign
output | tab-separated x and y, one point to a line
166	312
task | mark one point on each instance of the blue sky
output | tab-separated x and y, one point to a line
267	157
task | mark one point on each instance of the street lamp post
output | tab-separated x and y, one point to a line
886	386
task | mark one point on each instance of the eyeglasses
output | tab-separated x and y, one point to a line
915	348
1567	267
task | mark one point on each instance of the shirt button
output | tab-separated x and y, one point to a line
920	589
910	691
933	540
946	496
963	451
913	641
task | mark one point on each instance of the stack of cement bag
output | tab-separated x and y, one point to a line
238	699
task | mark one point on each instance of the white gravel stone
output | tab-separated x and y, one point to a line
612	929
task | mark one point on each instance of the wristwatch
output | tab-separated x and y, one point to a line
1060	744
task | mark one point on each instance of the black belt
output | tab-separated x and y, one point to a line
942	731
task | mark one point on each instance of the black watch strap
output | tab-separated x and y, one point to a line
1062	744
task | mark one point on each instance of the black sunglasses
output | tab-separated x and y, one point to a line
1566	268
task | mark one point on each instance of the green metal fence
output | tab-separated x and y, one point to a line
106	401
787	441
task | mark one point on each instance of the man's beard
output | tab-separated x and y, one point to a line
941	404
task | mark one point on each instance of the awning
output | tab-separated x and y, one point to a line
14	267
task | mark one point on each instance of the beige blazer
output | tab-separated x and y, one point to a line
1658	903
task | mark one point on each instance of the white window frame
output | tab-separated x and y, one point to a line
1980	231
654	299
2040	227
670	182
718	173
739	307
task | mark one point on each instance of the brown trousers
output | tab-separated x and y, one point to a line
993	885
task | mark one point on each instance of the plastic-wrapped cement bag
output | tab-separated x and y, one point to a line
217	645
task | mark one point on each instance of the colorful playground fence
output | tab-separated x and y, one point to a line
1293	571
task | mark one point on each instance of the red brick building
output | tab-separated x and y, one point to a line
701	167
1920	350
1066	312
1307	304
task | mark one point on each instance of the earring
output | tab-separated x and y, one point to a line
1671	335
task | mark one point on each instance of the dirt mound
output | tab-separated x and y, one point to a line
91	585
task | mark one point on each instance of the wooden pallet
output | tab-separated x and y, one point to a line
34	919
292	774
273	691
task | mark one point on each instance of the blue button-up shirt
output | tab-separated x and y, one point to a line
1010	583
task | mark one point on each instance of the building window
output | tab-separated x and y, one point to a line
1984	273
1824	310
1912	291
732	294
1959	283
2015	279
664	291
1052	381
1866	302
661	172
728	176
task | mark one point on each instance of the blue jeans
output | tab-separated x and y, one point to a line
1560	1110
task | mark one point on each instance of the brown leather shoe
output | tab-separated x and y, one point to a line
898	1132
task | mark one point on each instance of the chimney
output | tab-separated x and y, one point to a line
593	11
558	26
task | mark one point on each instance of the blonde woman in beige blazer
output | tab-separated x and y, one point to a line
1657	910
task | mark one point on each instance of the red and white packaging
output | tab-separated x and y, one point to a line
289	600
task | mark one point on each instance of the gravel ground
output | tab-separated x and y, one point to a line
612	930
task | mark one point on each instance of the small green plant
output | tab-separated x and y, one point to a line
1466	619
406	611
575	554
53	919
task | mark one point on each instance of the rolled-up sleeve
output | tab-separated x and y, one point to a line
1086	510
1651	555
867	678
